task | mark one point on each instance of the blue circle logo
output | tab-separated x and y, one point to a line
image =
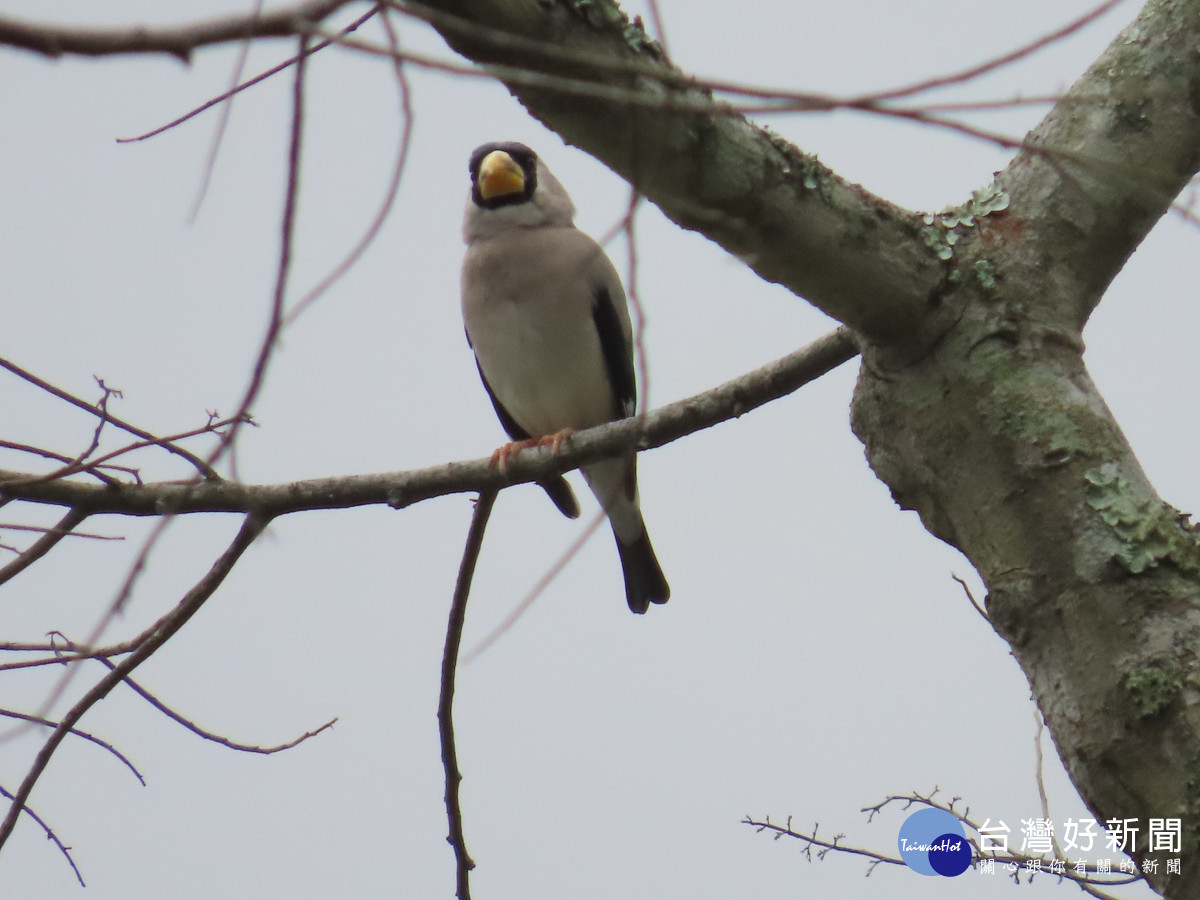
932	842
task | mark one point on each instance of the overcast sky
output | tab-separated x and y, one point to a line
816	654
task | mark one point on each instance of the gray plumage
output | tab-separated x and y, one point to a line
547	317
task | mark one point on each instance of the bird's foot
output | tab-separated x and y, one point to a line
503	454
555	441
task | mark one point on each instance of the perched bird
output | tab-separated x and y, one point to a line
547	318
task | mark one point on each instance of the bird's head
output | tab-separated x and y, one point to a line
511	187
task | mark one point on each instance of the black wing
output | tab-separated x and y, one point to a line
618	363
558	489
515	431
618	354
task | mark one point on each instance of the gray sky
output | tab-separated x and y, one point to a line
815	655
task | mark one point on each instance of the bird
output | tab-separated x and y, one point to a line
548	321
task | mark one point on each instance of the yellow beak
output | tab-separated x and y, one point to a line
499	175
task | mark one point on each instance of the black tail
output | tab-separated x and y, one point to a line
644	579
562	495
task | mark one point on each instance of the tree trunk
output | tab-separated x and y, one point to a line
973	402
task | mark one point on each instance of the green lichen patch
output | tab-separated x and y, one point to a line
941	233
988	200
1150	532
814	176
985	274
1152	690
938	239
1027	405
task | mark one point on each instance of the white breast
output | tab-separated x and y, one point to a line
527	300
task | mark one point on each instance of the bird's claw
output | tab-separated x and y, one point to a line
555	441
502	454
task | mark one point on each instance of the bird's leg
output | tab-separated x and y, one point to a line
555	441
501	455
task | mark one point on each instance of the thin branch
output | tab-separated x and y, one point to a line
208	735
43	545
697	91
537	590
975	603
66	460
37	664
628	222
393	188
55	530
657	26
1089	881
812	840
401	489
51	836
213	426
454	629
287	237
85	463
263	76
1006	59
1039	778
179	41
214	147
98	431
204	468
87	736
695	96
148	644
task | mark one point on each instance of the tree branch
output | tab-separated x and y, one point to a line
1103	166
25	375
151	640
400	489
793	221
179	41
51	836
43	545
454	629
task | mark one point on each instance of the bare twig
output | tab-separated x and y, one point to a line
812	840
975	603
1089	881
214	147
628	222
400	489
1006	59
536	591
454	628
43	545
87	736
263	76
51	836
85	463
147	644
208	735
58	532
179	41
66	460
657	26
393	188
695	94
206	470
287	236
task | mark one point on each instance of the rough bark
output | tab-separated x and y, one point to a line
973	403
